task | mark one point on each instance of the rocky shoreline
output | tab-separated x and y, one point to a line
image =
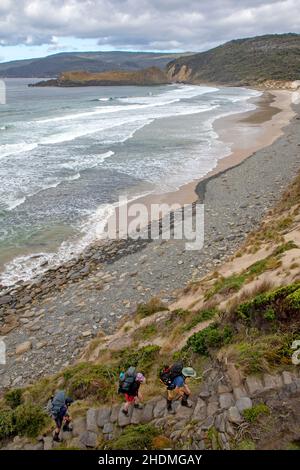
47	322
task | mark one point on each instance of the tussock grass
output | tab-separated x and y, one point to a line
154	305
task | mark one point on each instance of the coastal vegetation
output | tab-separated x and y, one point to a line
145	77
250	61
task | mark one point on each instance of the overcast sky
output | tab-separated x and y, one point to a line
32	28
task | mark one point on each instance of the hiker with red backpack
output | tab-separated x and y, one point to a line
129	385
174	377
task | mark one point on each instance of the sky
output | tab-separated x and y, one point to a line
36	28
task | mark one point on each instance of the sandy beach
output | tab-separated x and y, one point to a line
245	133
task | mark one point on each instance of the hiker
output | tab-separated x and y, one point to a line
174	378
130	382
58	409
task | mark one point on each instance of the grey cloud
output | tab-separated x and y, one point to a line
145	24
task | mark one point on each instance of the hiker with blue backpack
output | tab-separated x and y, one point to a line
129	384
57	408
175	378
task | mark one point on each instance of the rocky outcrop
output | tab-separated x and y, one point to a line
180	74
146	77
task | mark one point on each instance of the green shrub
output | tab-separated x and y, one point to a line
226	285
270	314
87	379
198	317
145	332
14	397
279	300
252	414
29	420
143	358
294	299
290	245
154	305
211	337
6	423
135	438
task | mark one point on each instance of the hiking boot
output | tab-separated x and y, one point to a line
186	404
138	406
125	412
56	438
169	408
67	428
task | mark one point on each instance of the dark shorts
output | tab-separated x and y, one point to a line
59	421
60	418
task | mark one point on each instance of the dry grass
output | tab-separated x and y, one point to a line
248	293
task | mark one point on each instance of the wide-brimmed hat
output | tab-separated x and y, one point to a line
189	372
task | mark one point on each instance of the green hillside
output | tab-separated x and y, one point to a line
242	61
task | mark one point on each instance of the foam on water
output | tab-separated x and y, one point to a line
56	146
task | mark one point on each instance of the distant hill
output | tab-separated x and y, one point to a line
53	65
242	62
149	76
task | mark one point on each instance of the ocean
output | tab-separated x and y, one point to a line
67	154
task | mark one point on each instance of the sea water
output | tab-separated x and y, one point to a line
67	154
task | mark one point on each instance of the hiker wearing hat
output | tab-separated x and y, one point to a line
174	378
130	382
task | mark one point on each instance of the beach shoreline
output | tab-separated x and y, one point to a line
272	114
70	304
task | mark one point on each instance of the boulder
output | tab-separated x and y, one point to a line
79	426
103	416
226	400
136	416
108	428
234	415
91	420
272	382
23	347
160	408
89	439
124	420
114	413
212	408
239	392
287	378
254	385
184	412
220	423
200	411
147	413
243	403
223	388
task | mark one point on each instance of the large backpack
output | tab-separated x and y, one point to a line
168	374
58	401
127	380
